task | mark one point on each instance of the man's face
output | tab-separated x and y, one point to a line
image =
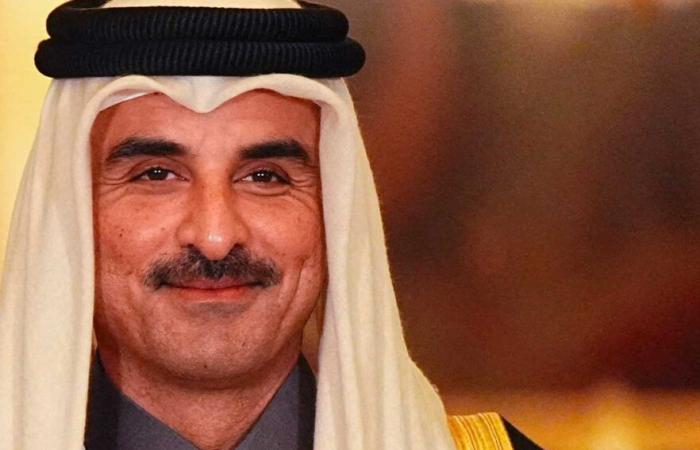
209	238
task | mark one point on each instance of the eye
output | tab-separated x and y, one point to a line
156	174
265	176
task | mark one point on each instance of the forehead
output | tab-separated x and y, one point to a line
248	118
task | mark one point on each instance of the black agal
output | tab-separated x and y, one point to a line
89	41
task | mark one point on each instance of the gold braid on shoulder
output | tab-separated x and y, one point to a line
484	431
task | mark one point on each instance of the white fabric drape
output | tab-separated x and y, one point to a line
371	396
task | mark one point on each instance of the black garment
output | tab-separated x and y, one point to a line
519	440
115	422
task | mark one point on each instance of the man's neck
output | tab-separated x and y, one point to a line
212	418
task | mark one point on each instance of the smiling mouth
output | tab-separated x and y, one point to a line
207	284
208	290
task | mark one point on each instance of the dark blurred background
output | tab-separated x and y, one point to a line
539	168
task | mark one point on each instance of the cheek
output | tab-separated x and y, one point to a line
128	234
294	240
293	233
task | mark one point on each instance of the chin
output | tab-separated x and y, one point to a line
206	368
215	358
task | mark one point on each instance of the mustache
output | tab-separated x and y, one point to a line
191	265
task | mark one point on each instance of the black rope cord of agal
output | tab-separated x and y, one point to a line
88	41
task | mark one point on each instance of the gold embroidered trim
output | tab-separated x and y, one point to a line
479	432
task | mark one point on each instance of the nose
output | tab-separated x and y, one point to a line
213	222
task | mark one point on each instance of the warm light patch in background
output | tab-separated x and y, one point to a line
23	89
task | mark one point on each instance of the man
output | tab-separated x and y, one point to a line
198	188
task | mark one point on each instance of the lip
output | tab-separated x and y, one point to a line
206	284
214	290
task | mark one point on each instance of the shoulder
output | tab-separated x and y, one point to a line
487	431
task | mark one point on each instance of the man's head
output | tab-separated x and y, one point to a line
203	215
208	230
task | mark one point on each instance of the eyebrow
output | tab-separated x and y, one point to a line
287	148
141	146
